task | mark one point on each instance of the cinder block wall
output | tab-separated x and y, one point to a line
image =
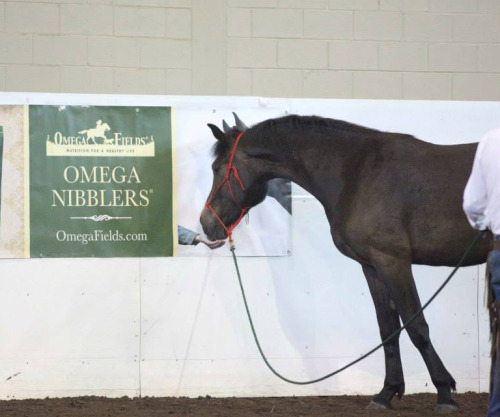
412	49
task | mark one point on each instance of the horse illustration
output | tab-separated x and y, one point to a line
98	132
391	200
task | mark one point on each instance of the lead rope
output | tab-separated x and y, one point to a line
462	260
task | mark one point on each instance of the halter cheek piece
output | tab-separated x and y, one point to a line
227	180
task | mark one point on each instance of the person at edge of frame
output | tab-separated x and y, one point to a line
188	237
482	207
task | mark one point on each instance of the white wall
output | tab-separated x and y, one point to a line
176	326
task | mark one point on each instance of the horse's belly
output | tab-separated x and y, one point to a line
450	254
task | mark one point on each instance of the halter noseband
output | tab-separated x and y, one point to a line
227	180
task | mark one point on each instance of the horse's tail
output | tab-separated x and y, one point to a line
493	307
83	131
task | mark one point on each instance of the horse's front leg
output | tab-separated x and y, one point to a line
398	277
388	321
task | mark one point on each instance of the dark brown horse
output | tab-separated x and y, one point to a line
391	200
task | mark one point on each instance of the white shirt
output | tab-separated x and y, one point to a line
482	193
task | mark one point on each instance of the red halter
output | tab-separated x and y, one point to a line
244	210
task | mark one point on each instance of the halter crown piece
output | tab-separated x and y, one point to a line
227	180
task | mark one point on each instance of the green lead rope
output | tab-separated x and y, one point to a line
460	263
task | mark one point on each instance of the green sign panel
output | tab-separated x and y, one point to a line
1	159
100	181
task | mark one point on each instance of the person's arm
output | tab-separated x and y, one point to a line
475	194
186	236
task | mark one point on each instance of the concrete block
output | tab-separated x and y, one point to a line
453	6
354	4
403	56
306	54
452	57
178	81
426	86
151	3
342	5
277	23
86	80
139	81
2	78
327	84
489	58
86	19
32	17
253	3
366	4
489	6
252	53
415	5
386	85
60	50
178	23
476	87
114	52
139	21
239	23
476	28
303	4
428	27
239	82
378	25
16	49
277	83
391	5
31	78
2	19
354	55
165	53
209	47
322	24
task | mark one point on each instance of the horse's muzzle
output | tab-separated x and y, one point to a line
211	226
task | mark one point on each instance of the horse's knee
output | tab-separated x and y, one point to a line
391	353
391	348
420	338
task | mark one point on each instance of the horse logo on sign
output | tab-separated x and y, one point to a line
98	132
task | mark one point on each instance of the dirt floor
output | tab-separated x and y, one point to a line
420	405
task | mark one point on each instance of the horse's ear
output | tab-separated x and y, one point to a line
239	123
219	135
226	127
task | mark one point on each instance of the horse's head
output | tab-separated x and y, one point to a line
106	127
236	187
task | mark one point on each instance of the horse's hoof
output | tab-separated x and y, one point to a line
376	406
446	408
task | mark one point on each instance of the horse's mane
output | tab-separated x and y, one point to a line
293	122
312	122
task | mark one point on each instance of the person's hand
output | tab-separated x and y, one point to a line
212	244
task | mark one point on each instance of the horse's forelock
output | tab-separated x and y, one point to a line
219	149
222	147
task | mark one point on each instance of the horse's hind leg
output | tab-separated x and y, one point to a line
399	279
388	321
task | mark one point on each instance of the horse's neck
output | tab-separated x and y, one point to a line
315	162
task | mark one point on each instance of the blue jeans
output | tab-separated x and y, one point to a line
494	410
